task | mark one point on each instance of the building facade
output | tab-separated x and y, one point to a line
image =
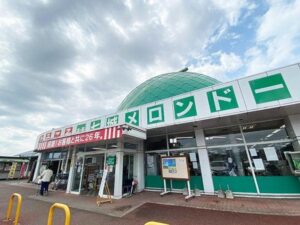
242	135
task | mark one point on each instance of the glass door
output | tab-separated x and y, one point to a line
127	172
92	173
77	175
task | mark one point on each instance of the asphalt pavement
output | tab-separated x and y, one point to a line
35	212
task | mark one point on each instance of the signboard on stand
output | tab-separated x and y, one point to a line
175	167
103	185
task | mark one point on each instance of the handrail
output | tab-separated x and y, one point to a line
18	208
60	206
155	223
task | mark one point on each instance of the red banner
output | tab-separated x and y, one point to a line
93	136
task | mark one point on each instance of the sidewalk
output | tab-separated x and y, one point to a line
119	208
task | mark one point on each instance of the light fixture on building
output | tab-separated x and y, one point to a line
126	127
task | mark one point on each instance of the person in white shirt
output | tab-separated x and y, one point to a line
45	178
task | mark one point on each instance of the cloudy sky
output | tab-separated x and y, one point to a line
64	61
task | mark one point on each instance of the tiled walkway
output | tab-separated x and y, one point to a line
124	206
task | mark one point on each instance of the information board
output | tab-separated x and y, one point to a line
175	167
102	184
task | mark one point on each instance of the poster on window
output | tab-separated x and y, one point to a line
253	152
193	157
271	154
259	164
175	167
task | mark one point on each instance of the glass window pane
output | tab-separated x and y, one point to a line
269	159
266	131
129	145
153	164
156	143
182	140
229	161
192	159
223	136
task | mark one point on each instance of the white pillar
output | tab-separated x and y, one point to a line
139	167
37	168
119	175
67	160
293	128
71	172
204	162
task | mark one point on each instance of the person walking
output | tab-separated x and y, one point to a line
45	178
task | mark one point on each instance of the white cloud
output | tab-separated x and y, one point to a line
219	65
64	61
277	38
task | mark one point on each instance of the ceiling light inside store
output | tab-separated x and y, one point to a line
276	131
185	137
248	127
97	148
269	135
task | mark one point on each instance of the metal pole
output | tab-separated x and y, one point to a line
250	162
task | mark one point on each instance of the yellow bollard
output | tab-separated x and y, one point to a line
155	223
60	206
10	205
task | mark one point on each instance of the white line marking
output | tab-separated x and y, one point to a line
270	88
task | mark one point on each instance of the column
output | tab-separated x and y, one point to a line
37	168
71	173
204	162
67	160
293	128
139	167
119	175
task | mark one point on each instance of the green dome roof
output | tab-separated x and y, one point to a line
165	86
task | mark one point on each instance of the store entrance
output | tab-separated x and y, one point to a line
127	173
92	173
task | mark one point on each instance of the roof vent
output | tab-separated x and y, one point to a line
184	70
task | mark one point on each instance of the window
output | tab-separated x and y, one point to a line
156	143
229	161
267	131
266	142
223	136
192	159
269	159
153	164
128	145
182	140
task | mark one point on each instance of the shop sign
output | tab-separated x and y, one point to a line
132	117
68	131
48	135
80	128
155	114
222	99
57	133
93	136
113	120
271	88
41	138
185	107
96	124
111	160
